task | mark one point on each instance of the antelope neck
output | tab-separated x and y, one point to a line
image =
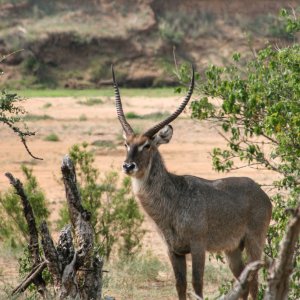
152	179
156	191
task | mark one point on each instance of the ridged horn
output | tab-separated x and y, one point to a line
127	128
152	131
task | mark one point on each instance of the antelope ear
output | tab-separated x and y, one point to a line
163	136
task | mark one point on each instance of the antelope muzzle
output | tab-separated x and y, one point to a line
129	168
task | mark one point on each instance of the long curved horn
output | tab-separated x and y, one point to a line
127	128
152	131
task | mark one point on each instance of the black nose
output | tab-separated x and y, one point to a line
127	167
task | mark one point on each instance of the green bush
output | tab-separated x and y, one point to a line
116	219
83	118
132	115
267	25
13	226
42	72
175	27
260	105
52	137
47	105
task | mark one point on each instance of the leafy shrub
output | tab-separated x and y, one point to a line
47	105
13	226
175	27
41	71
115	215
260	105
267	25
99	70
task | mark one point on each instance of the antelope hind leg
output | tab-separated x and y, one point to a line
254	250
236	265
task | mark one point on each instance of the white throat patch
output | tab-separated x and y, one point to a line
138	183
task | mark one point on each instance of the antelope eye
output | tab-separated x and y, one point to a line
147	146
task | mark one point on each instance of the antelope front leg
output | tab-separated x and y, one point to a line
179	266
198	262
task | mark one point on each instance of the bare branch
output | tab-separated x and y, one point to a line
30	278
270	139
22	135
241	284
23	140
175	62
10	54
280	271
194	296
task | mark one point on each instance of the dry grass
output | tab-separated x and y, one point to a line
146	277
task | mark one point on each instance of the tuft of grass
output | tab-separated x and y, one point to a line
83	118
104	144
47	105
91	102
33	118
52	137
133	115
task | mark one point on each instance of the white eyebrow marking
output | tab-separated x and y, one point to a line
140	148
127	146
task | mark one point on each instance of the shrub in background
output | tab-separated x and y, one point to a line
115	215
259	113
13	226
52	137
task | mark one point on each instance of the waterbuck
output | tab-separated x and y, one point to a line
195	215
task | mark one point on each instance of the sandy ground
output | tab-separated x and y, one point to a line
188	152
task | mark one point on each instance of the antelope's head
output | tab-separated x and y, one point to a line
141	147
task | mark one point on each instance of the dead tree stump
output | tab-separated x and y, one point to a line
75	267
